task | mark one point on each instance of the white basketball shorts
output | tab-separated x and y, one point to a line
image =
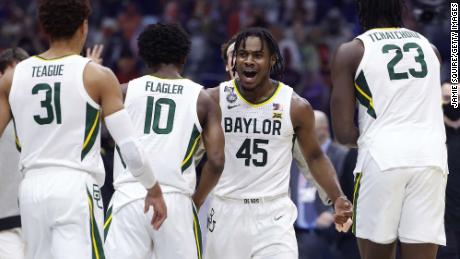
61	214
251	229
402	203
129	233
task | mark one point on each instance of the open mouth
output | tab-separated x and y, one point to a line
249	74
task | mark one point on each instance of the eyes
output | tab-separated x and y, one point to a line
245	54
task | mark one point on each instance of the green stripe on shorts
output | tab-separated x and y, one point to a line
96	242
355	199
197	232
107	222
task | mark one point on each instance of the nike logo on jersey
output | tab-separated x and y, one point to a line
232	106
278	218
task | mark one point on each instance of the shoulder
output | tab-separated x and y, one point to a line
301	109
350	53
214	93
298	102
6	80
95	73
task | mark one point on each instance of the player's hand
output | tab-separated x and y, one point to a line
95	53
155	199
343	210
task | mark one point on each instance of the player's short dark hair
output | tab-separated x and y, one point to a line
61	18
376	13
163	44
264	35
224	48
9	56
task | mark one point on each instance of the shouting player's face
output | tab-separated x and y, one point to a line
253	63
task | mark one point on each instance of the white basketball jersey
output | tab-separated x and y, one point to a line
258	144
57	122
164	114
397	86
9	173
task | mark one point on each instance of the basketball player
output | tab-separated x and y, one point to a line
251	215
171	114
394	75
56	100
11	245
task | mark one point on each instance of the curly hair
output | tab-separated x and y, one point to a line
61	18
163	44
276	72
9	56
378	13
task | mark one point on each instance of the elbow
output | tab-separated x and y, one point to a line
217	161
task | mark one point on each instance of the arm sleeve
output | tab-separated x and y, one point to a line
122	131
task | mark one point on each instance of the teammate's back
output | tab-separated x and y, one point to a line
393	74
396	85
169	113
164	113
55	99
57	121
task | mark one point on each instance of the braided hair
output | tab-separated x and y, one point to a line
378	13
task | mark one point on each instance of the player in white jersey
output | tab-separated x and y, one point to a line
11	245
251	215
56	99
393	74
170	114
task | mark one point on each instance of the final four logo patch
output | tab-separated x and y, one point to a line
231	95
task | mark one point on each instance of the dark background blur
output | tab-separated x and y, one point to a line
308	32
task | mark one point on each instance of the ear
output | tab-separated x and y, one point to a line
272	60
84	27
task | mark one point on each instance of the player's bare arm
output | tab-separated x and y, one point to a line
320	166
5	110
343	101
103	87
209	115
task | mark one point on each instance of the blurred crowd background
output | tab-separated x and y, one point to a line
308	33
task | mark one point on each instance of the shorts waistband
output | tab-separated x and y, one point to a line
180	193
254	200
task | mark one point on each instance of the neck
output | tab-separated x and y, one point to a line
60	48
260	93
384	24
167	71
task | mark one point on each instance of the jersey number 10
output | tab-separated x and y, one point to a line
159	105
52	103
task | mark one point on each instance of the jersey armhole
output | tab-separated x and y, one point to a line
13	79
197	120
82	89
363	61
291	95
